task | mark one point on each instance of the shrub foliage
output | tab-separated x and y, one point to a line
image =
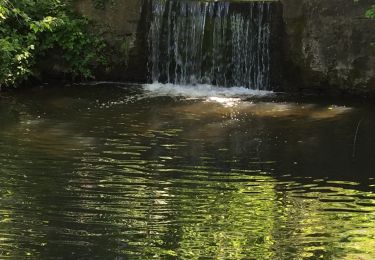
30	30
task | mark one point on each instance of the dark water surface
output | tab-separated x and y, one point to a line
103	172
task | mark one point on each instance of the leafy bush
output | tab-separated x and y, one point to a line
32	29
371	12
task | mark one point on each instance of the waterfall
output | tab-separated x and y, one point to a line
218	43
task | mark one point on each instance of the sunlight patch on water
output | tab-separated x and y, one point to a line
237	108
258	103
227	102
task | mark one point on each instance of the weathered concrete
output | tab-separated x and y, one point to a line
125	33
326	44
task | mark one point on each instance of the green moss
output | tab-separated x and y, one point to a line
126	46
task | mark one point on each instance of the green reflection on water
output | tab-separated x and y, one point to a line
188	179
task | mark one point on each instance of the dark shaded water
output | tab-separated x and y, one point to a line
104	172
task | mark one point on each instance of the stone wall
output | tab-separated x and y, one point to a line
325	44
124	30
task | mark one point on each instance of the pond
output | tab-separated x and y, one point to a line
128	171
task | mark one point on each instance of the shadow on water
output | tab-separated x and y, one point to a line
115	171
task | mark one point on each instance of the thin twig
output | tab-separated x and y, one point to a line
356	138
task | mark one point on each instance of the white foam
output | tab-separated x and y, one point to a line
201	91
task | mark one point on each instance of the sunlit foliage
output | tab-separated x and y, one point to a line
31	30
371	12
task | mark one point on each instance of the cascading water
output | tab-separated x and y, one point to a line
218	43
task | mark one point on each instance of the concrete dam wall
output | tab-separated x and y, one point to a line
317	46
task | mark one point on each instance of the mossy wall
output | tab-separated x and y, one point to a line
328	46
